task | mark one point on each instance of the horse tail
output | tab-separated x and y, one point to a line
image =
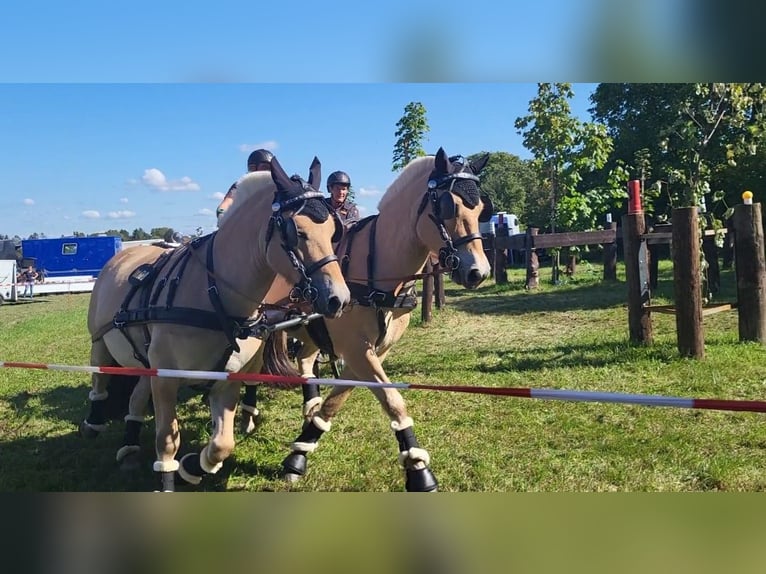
276	360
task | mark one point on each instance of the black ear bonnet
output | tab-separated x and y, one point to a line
464	184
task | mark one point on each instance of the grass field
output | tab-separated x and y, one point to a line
572	336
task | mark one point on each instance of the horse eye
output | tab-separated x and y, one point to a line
303	235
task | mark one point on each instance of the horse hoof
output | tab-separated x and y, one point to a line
294	466
87	431
249	424
130	462
292	478
421	480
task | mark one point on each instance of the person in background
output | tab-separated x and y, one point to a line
259	160
339	186
29	276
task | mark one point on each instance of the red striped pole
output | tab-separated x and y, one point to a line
527	393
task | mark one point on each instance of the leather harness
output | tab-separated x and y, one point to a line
148	282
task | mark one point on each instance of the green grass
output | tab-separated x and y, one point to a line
572	336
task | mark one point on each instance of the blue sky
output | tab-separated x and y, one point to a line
92	157
141	112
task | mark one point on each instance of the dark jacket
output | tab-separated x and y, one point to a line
348	212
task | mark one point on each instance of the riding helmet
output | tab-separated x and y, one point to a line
260	156
338	177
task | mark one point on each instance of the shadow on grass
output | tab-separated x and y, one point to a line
577	356
68	462
515	300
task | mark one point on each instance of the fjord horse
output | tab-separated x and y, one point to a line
187	308
434	206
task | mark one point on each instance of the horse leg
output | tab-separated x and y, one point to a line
95	422
413	458
127	455
315	425
250	417
223	405
312	400
167	436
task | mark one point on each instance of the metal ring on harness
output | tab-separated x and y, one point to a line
448	260
310	294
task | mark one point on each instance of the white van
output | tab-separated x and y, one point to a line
501	217
8	286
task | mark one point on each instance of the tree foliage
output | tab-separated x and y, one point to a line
701	140
507	179
410	131
564	149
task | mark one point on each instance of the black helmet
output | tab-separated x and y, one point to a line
338	177
259	156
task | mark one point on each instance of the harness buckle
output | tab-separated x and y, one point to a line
213	290
376	297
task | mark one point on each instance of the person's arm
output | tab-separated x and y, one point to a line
353	214
226	202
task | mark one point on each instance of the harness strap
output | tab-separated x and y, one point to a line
351	233
227	325
135	286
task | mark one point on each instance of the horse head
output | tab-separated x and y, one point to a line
300	237
457	206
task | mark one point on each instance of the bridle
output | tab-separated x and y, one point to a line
443	207
288	232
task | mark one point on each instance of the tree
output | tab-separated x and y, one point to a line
139	235
564	149
410	131
161	232
702	139
716	125
507	179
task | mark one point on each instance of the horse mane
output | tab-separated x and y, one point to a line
250	184
416	169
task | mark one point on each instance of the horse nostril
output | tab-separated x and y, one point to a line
334	305
474	277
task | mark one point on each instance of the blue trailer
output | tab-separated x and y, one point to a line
68	264
70	256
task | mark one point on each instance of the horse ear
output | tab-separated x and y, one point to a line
280	177
440	163
479	164
315	173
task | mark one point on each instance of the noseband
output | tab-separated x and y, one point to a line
288	231
443	206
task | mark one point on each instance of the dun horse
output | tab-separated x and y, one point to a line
434	206
187	308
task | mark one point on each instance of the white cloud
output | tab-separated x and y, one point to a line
123	200
368	192
268	144
122	214
217	195
205	211
28	201
154	178
91	214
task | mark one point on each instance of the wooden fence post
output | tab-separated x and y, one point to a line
439	290
637	278
710	249
687	283
610	256
533	265
428	292
750	268
636	268
501	257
